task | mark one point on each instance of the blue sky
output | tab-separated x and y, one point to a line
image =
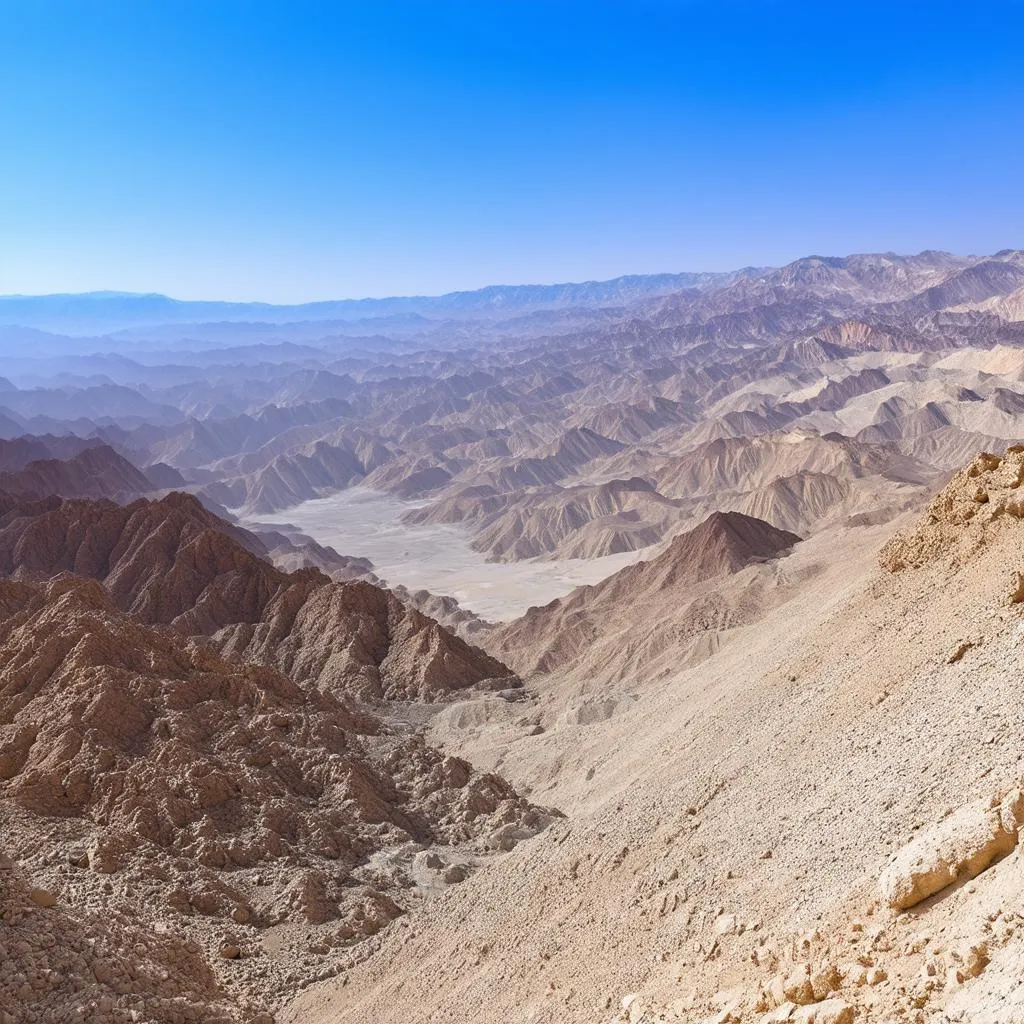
291	150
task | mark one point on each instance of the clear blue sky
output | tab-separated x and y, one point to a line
292	150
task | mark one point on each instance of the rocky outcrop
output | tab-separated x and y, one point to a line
166	562
177	719
959	848
202	786
969	513
63	962
103	716
360	639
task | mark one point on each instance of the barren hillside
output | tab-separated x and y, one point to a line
740	851
180	721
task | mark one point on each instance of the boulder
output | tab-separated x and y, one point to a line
960	847
781	1013
42	898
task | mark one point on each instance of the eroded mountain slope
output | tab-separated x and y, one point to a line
256	822
736	818
596	629
171	562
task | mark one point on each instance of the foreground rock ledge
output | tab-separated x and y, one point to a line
960	847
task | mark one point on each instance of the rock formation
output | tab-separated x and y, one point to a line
591	624
177	718
171	562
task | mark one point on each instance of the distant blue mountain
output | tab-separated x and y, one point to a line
94	313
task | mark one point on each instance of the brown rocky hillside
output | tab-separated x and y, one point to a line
215	798
171	562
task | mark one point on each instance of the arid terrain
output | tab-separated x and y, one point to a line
631	651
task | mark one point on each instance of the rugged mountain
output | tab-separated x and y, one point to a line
578	446
835	394
630	422
95	472
857	335
291	478
722	544
360	639
1006	307
592	624
811	352
18	452
820	822
413	475
173	563
976	283
163	477
178	718
797	502
569	522
220	793
108	311
549	463
445	610
744	731
582	522
744	464
10	427
101	402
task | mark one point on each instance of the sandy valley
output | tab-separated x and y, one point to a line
438	558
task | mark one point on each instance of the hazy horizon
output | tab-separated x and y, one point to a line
325	299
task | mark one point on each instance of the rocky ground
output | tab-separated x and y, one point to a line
200	824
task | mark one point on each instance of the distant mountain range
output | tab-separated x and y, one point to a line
32	325
105	312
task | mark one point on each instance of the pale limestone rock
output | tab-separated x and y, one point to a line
854	974
960	847
781	1013
776	989
725	924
